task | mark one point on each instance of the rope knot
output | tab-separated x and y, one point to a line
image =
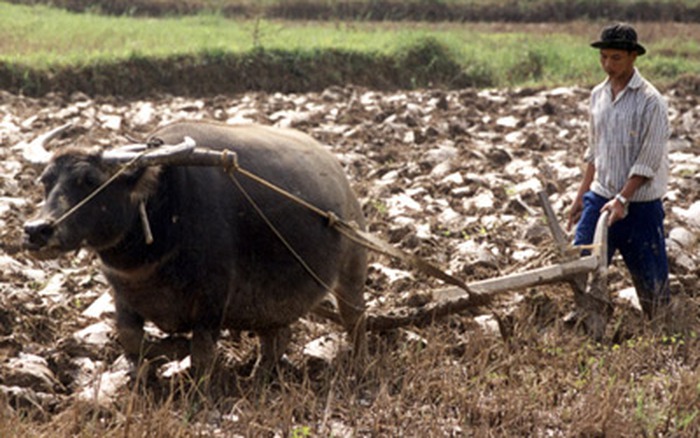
332	218
229	161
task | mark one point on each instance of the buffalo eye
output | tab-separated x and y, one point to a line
87	180
48	180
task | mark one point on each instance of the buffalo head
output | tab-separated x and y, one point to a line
82	207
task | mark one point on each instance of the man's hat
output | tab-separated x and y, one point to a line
619	36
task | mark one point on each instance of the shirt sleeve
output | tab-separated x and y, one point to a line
654	136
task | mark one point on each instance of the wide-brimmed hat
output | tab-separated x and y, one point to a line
619	36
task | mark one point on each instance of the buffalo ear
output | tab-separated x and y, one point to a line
142	182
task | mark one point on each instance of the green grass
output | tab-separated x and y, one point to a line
41	38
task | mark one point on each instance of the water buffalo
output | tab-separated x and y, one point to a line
213	263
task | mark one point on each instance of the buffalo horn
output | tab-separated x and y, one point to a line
35	152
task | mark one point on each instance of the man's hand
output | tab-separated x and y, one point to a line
577	206
616	209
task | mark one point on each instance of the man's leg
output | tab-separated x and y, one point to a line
643	248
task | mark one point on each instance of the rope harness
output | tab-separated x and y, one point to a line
229	163
347	229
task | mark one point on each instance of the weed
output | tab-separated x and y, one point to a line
685	419
301	432
380	207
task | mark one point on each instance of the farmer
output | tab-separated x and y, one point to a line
627	167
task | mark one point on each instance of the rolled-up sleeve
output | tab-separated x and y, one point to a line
653	138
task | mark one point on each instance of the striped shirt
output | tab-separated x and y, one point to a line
629	136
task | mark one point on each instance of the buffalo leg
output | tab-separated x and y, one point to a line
273	344
203	347
355	323
130	332
130	335
351	306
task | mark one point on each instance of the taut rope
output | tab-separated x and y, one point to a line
347	229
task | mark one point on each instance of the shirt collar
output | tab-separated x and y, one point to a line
634	82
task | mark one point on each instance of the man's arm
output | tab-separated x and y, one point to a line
577	206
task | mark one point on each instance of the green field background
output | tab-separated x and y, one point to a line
46	49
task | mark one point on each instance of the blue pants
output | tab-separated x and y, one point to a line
640	239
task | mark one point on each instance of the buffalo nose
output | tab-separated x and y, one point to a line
37	233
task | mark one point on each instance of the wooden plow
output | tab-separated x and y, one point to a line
591	295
